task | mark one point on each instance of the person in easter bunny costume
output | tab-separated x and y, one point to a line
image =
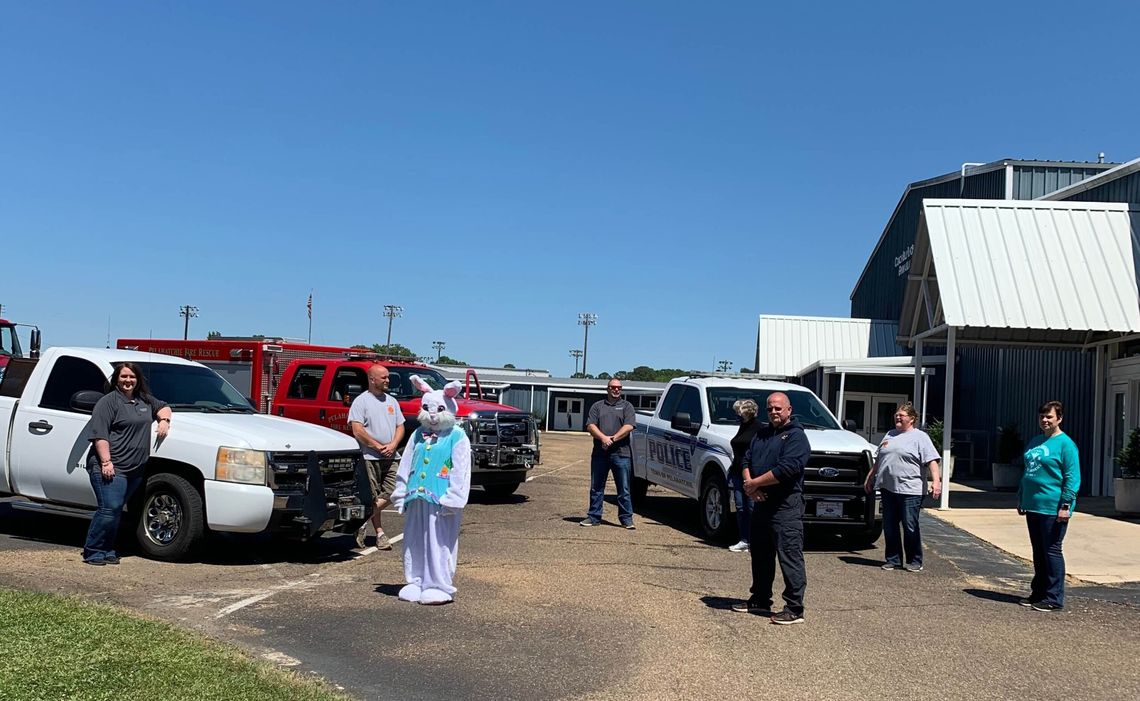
432	484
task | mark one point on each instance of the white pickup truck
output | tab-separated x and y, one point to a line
685	445
223	466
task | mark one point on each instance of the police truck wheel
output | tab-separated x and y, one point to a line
171	520
714	512
638	488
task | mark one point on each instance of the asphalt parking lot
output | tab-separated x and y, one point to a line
547	609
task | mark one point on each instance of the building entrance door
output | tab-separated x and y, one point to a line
873	414
567	414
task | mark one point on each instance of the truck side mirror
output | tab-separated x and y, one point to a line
848	425
34	350
682	422
85	400
351	392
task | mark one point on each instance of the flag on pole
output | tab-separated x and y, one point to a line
310	305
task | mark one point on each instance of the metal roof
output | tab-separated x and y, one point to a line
785	344
1044	273
1096	181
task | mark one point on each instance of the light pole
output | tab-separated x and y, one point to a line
575	354
587	320
438	346
724	365
187	311
391	311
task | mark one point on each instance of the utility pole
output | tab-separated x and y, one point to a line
186	311
587	320
576	354
391	311
724	365
438	346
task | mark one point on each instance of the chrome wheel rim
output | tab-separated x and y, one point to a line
163	518
714	509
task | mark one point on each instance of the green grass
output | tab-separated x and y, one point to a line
63	648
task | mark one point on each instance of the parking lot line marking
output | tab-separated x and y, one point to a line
396	538
243	603
544	474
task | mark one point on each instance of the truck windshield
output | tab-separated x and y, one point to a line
806	408
401	387
9	341
192	388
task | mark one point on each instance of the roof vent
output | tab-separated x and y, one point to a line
1100	157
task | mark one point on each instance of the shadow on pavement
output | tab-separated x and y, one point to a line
391	590
854	560
480	496
989	595
720	603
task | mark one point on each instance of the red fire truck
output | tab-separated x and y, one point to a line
316	384
252	366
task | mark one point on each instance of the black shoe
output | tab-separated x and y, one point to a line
111	560
629	526
98	563
890	566
787	618
1045	606
752	607
588	522
1027	601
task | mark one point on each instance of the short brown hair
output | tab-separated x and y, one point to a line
1055	406
908	409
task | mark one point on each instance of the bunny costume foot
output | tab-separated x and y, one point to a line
432	485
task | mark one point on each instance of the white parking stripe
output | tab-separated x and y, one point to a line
544	474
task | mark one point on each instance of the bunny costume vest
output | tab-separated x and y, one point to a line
430	475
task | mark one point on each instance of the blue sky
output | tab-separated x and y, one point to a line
676	168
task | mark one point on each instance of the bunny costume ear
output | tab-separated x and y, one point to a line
450	392
419	384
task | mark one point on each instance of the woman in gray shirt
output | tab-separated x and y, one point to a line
898	475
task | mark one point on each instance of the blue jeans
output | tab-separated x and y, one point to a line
743	506
601	463
111	495
1046	534
902	509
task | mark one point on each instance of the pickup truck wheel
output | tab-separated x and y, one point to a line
501	490
638	488
172	519
714	510
867	536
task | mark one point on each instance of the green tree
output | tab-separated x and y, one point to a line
604	376
394	349
213	335
510	365
448	360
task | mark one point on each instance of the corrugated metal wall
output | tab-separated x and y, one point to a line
1030	182
1126	189
520	398
879	294
995	386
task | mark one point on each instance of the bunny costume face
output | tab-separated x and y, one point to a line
437	406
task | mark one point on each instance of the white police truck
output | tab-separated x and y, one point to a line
685	446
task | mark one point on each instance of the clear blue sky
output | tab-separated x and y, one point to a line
677	168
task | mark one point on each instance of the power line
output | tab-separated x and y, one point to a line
576	354
438	346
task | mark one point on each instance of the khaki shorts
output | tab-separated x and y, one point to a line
381	476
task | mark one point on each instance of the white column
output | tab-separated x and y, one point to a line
918	398
947	417
925	387
1101	473
839	400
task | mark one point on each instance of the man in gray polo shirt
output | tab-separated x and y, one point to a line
610	423
378	426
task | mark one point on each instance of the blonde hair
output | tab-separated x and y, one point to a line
746	408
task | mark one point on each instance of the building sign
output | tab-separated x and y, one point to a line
902	260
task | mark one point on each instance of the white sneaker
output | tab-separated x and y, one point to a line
741	547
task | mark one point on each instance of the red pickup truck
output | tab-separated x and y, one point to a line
504	440
317	384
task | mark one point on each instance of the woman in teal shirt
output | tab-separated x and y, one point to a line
1047	496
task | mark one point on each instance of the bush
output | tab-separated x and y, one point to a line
934	430
1010	446
1128	459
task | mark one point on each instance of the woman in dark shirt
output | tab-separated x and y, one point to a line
120	435
746	409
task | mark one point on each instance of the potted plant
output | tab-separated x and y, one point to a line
1007	468
934	430
1127	486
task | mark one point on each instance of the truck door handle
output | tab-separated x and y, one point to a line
668	436
322	414
40	427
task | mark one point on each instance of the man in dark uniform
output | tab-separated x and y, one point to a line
773	478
